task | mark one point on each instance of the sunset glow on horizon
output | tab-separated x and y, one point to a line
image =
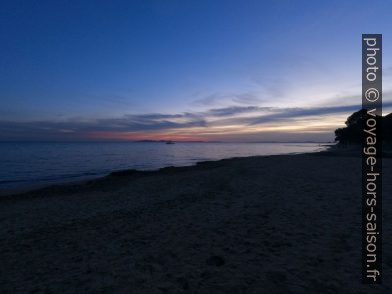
249	72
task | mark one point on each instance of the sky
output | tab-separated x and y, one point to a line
238	71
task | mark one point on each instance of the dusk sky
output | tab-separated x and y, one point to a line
185	70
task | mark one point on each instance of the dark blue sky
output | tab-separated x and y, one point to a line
81	64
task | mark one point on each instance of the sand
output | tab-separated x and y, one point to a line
276	224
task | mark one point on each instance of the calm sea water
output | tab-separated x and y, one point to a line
23	164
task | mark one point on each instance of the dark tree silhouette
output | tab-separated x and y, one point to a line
352	133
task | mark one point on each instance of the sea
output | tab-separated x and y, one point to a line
25	164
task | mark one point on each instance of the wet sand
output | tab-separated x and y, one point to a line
274	224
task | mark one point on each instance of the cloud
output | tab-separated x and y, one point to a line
284	114
149	122
247	98
272	87
233	110
294	113
78	128
230	119
209	100
218	98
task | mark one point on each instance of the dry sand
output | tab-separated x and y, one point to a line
277	224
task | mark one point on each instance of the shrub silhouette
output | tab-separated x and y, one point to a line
352	133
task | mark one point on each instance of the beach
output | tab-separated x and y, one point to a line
268	224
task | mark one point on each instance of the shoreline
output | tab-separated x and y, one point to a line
273	224
14	191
